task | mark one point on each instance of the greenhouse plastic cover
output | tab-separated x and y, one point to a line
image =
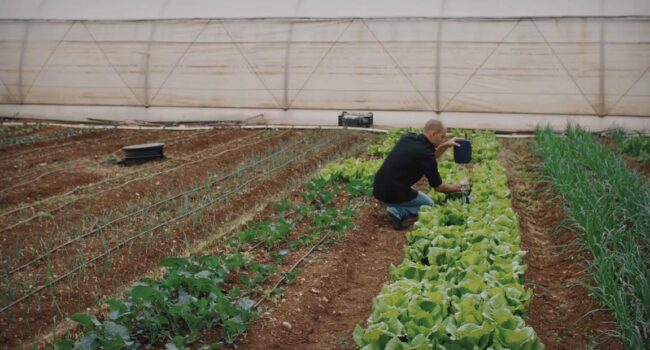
537	57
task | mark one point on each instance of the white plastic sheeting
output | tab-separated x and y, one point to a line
193	9
580	66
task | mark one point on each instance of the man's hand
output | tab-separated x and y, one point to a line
451	142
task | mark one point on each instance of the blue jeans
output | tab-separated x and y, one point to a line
409	209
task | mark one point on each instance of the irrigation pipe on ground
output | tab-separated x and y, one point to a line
126	216
294	266
94	184
148	176
125	241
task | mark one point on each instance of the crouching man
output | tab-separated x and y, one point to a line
412	157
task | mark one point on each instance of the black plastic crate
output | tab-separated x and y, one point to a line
137	154
357	120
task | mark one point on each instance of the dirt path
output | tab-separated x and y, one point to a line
334	291
562	312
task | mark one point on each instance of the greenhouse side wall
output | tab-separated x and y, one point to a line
539	66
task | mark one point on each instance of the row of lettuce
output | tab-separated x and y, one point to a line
609	203
460	284
218	291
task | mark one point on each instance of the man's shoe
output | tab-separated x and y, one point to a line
395	221
408	222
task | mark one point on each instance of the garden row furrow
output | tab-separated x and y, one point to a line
172	212
10	161
195	191
48	150
141	174
122	243
143	206
86	144
124	174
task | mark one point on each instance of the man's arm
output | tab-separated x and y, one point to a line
443	146
447	188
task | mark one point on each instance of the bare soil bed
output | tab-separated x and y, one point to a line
562	311
334	291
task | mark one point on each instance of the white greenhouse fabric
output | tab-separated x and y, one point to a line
193	9
587	66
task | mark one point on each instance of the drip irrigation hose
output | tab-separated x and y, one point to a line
284	277
144	209
125	241
110	189
102	182
168	142
50	146
32	180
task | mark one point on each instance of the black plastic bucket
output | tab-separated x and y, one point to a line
463	153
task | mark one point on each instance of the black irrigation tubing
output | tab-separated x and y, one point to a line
98	229
32	180
123	184
284	277
64	167
170	141
125	241
129	215
60	167
7	228
101	182
47	147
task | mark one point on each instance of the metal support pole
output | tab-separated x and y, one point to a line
602	110
21	63
287	55
147	63
438	54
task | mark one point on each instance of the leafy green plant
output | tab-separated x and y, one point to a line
282	206
192	295
460	284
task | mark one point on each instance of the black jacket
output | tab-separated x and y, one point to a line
412	157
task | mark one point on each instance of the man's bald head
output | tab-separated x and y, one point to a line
433	125
435	131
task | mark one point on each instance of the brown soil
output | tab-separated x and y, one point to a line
60	154
49	184
99	280
114	192
59	139
562	312
334	291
